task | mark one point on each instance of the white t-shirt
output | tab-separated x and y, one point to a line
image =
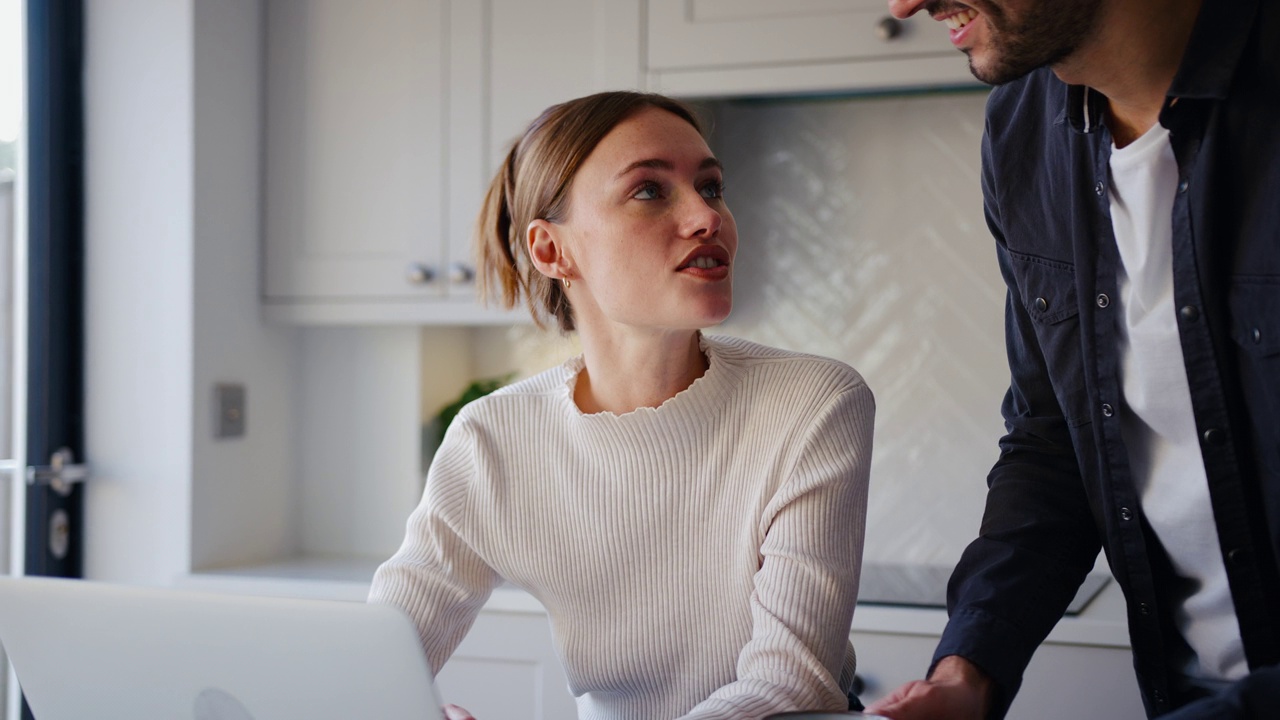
1157	422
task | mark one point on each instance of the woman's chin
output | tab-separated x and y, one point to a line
715	316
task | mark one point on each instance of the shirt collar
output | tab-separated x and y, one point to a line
1213	52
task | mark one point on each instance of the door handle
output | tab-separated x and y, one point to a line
60	474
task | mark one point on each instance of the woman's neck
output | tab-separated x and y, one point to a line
624	371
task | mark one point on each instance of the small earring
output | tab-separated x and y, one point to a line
566	282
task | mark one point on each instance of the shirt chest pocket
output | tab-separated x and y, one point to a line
1047	291
1255	316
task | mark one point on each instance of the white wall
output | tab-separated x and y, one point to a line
243	506
173	103
8	328
139	302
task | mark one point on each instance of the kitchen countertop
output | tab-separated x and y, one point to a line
1100	622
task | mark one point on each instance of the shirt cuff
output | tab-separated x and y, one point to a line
996	647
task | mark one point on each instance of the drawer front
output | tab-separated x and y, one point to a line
709	34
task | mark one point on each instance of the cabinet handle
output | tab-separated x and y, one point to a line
888	28
419	274
460	273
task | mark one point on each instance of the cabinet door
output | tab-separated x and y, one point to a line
723	47
506	669
509	60
355	135
548	52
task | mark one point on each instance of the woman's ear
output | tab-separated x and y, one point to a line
546	249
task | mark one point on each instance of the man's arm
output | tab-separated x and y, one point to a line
1038	538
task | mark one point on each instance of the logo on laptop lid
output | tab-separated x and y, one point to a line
215	704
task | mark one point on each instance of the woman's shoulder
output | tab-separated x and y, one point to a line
794	367
542	389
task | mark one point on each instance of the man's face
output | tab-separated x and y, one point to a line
1006	39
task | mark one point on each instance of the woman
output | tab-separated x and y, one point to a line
689	509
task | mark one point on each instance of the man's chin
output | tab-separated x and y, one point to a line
991	72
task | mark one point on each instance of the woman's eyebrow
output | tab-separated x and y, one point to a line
660	164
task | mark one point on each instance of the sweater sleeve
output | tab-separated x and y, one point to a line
436	577
807	585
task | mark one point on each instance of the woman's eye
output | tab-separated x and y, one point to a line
714	189
648	191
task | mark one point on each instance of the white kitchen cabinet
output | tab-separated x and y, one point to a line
1063	682
358	221
508	61
525	57
385	121
1084	669
718	48
506	669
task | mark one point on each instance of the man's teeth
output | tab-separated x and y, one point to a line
704	263
959	20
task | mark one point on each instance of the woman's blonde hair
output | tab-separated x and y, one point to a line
533	183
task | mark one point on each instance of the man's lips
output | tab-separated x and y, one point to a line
957	21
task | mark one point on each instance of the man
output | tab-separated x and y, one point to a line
1131	176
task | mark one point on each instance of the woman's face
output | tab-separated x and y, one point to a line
649	238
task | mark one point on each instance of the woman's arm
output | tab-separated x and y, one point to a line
807	584
436	577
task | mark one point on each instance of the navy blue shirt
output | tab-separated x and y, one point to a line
1062	487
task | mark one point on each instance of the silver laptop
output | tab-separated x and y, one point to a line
84	649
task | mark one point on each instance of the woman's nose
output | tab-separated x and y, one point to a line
702	216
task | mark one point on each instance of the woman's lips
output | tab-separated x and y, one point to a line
710	263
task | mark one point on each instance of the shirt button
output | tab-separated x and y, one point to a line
1103	300
1256	336
1158	697
1100	188
1182	186
1190	313
1107	410
1126	513
1237	556
1042	304
1214	436
1143	609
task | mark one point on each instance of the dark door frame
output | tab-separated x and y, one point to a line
55	281
55	272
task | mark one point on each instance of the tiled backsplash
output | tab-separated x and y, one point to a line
862	238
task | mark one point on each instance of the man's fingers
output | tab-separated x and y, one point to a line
453	712
894	701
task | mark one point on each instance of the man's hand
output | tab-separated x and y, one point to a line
453	712
956	690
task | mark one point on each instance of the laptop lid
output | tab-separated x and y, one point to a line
85	649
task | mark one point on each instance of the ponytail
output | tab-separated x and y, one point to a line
505	272
497	257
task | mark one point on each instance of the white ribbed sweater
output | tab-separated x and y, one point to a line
697	560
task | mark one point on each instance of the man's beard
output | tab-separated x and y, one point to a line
1049	32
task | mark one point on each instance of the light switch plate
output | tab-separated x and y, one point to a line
229	404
